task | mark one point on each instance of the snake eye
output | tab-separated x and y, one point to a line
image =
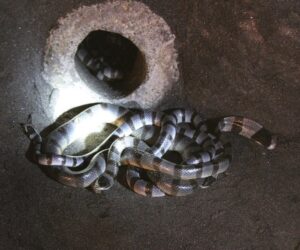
111	62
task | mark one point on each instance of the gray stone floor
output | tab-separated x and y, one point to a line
236	57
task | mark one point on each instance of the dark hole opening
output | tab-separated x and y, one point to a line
110	63
173	156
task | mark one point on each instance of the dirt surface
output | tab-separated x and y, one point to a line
236	57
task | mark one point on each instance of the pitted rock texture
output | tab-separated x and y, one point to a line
133	20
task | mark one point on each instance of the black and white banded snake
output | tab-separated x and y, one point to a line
204	155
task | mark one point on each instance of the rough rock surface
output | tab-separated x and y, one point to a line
133	20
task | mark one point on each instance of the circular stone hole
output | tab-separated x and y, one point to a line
155	73
110	63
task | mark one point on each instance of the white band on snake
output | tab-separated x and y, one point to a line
140	142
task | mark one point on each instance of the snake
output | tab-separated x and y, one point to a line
141	141
98	66
107	56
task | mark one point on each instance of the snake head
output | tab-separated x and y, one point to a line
29	130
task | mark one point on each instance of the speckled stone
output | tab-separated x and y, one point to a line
135	21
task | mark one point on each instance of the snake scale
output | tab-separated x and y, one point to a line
141	141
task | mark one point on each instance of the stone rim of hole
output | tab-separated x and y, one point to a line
134	21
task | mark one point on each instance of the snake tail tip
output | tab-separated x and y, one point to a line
273	143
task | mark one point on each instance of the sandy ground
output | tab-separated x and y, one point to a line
236	57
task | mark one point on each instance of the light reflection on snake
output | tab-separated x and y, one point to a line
204	155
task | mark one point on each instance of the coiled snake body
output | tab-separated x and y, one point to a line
204	155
